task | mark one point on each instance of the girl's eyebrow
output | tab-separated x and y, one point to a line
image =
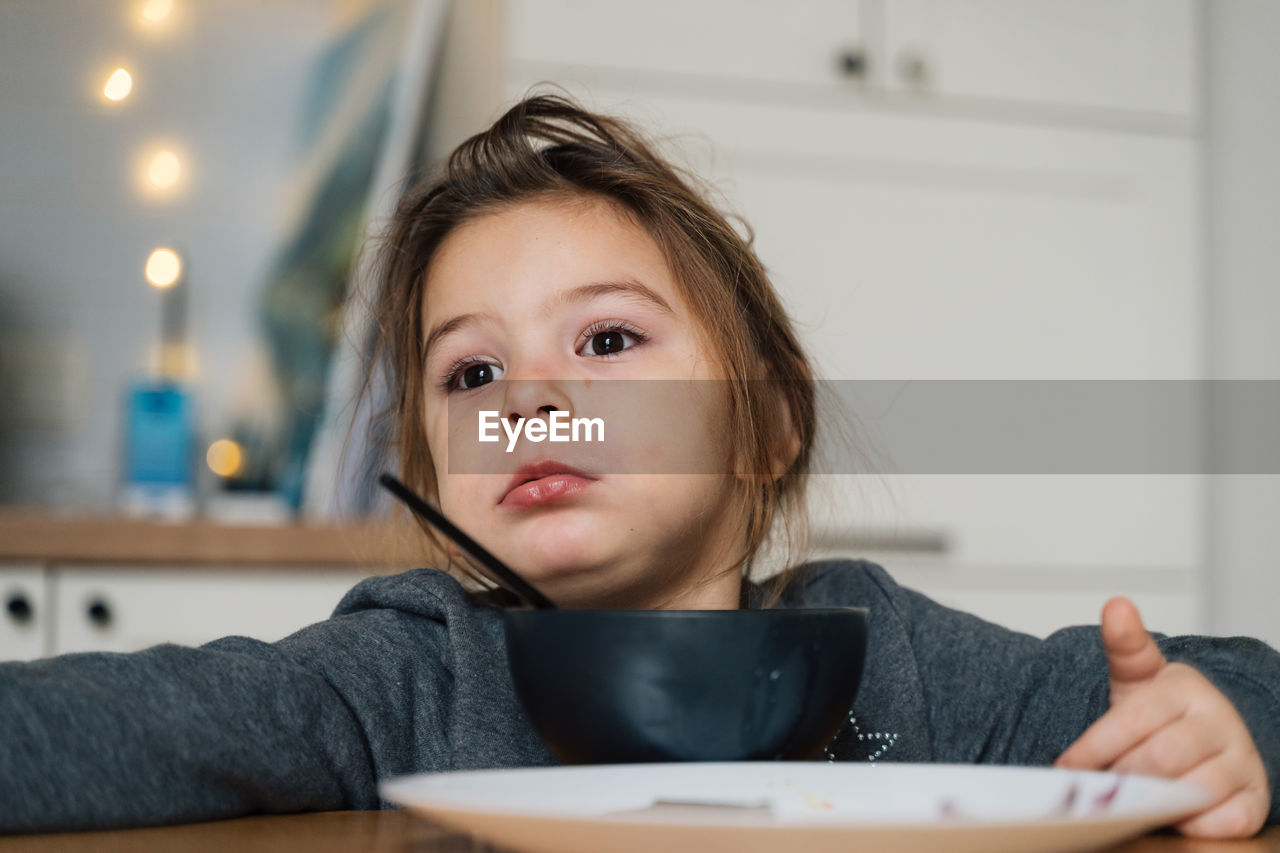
448	327
626	287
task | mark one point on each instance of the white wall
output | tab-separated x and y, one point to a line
1243	241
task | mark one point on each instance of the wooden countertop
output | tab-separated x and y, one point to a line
27	536
401	832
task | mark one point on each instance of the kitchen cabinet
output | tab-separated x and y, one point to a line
1109	61
72	584
797	43
1137	56
122	609
57	609
25	619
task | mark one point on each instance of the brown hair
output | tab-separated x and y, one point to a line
548	147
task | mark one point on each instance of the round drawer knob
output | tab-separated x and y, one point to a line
852	62
99	613
914	69
20	609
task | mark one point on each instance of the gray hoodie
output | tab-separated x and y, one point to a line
410	675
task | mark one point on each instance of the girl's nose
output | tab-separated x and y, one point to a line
535	398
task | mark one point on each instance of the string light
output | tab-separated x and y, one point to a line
164	170
164	268
156	11
225	457
119	85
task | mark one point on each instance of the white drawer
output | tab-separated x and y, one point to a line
126	609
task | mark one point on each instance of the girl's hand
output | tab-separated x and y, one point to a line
1166	719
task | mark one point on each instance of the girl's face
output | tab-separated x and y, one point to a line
525	309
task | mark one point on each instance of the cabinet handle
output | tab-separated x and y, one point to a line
20	609
99	613
914	68
922	540
852	62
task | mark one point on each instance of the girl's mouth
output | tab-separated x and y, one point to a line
544	483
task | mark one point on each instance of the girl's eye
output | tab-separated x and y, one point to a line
607	343
609	340
474	375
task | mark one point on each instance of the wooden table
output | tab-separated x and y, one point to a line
401	832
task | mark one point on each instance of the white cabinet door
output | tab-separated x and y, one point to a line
1138	55
797	42
1134	59
121	609
24	620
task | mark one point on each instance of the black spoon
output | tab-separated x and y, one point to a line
493	568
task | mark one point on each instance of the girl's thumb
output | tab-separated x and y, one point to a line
1132	653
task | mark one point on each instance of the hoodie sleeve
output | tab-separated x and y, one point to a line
998	696
173	734
176	734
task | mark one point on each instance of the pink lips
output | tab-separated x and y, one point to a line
544	483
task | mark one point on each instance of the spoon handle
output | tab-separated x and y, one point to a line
493	568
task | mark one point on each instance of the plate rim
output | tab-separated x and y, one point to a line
1154	818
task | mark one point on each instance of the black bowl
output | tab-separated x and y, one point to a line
622	686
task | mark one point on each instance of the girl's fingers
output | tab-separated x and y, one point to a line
1122	728
1238	811
1173	750
1132	654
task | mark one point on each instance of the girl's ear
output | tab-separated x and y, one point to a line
786	446
784	442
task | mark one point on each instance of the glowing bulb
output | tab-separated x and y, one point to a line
164	268
161	169
119	85
225	457
164	171
156	11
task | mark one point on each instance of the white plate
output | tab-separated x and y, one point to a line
752	807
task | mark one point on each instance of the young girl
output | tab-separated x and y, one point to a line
557	250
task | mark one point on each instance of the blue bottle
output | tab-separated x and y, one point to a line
159	459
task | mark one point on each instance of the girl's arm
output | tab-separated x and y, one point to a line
176	734
173	734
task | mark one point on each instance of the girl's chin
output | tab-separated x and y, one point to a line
554	560
551	557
